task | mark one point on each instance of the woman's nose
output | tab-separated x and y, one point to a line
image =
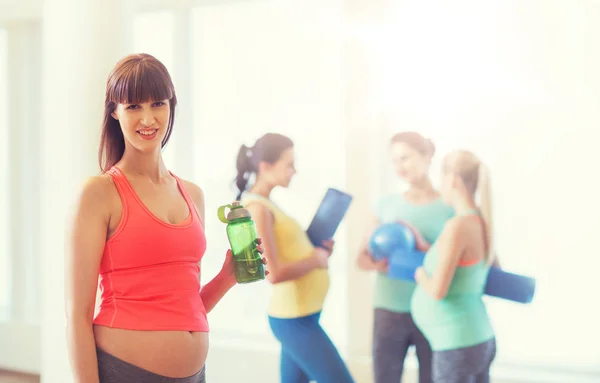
148	118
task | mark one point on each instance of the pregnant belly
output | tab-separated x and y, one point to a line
174	354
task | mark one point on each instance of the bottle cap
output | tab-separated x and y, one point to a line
236	211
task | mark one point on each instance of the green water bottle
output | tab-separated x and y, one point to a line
241	233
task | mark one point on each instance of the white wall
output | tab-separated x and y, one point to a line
78	54
13	10
286	82
5	261
21	327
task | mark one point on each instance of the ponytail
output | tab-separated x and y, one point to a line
267	148
485	203
244	169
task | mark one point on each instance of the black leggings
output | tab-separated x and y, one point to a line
393	334
114	370
464	365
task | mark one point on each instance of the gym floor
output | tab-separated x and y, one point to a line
13	377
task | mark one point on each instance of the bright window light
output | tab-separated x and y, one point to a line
280	77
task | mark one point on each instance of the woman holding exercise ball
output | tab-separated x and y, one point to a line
298	270
140	229
422	208
447	305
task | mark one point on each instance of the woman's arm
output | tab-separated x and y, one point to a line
420	243
450	247
86	237
279	271
365	260
215	290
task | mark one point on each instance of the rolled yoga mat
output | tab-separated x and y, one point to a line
397	243
329	215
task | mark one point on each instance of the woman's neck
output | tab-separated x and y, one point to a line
464	204
261	188
149	165
421	191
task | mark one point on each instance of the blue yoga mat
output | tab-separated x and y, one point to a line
329	215
513	287
500	283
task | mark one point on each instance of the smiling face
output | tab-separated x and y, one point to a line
280	172
144	125
139	108
410	164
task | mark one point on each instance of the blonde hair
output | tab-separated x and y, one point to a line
476	178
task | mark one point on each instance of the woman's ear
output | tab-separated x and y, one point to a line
114	113
263	166
428	159
456	181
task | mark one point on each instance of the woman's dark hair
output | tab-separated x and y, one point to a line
416	141
135	79
268	148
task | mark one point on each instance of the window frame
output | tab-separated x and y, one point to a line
5	250
339	262
22	328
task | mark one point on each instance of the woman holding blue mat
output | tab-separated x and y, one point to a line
424	211
298	270
447	304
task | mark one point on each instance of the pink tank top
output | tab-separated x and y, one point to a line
149	273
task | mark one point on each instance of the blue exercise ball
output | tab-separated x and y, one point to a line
390	237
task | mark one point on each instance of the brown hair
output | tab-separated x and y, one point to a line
267	148
135	79
416	141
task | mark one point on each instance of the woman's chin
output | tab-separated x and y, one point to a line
148	146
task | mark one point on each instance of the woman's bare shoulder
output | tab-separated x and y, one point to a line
196	193
98	193
99	187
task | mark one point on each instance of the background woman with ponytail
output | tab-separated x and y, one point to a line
297	270
447	305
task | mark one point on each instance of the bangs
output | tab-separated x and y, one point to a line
139	82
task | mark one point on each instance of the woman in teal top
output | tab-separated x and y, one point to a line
422	208
447	305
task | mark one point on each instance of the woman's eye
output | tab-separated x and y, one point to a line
131	107
159	103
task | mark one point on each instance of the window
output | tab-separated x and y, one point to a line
153	34
276	76
5	250
519	115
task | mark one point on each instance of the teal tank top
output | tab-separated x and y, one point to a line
460	319
393	294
